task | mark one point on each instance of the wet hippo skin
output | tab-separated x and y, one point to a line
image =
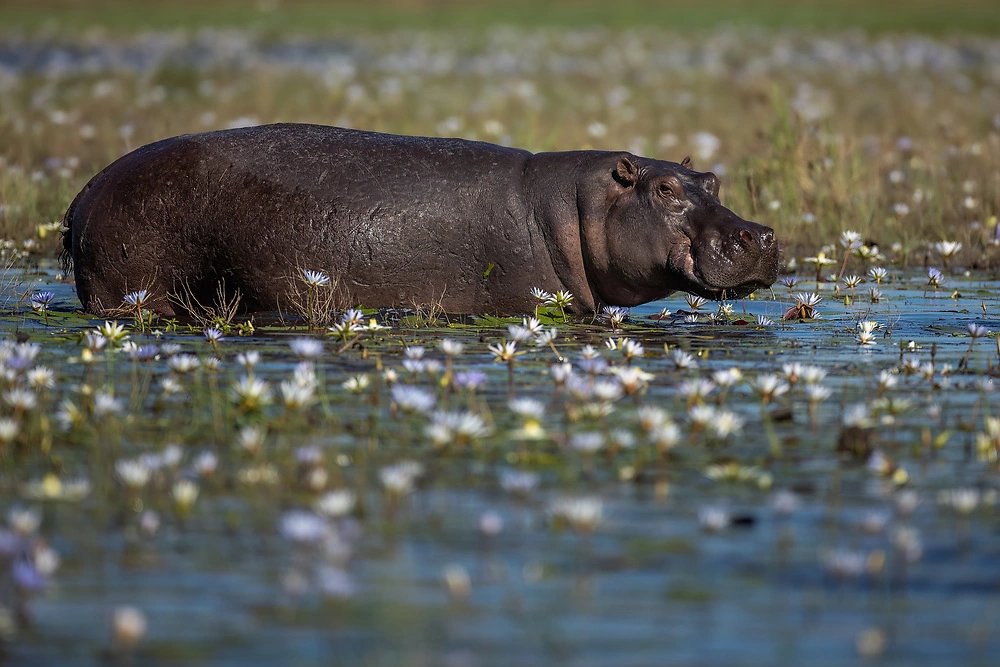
398	220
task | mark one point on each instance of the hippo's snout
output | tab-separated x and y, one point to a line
754	237
742	257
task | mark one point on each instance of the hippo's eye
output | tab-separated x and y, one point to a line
667	192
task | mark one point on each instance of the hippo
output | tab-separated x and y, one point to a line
400	220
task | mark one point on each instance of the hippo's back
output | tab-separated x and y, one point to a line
303	147
247	204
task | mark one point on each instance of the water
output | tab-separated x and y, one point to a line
649	585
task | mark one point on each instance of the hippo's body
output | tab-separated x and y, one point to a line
404	220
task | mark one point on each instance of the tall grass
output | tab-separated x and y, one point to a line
894	136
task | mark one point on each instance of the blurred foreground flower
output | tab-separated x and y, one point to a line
129	627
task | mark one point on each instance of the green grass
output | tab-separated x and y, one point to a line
807	141
930	16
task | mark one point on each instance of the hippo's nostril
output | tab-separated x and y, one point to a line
767	239
746	236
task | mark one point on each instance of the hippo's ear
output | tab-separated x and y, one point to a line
626	173
686	162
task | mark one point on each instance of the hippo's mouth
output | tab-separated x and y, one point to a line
704	286
704	289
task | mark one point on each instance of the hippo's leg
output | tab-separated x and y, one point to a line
112	259
103	285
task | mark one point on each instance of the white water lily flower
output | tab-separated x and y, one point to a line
399	479
519	483
315	278
183	363
185	493
335	504
412	399
682	360
701	414
306	348
250	439
527	407
714	519
582	514
947	248
106	404
850	239
295	395
251	392
356	383
769	386
696	389
726	423
132	473
9	428
587	442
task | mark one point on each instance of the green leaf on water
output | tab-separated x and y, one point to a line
689	593
494	322
645	548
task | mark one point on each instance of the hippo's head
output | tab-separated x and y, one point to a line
666	230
